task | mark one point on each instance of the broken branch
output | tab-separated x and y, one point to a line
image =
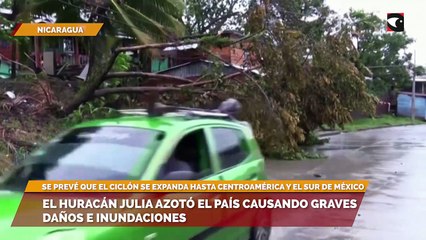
178	43
200	83
155	45
107	91
147	75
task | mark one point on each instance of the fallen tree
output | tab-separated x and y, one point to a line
105	61
107	91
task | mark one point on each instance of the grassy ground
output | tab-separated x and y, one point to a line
385	121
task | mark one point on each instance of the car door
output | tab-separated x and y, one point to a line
238	158
205	163
237	154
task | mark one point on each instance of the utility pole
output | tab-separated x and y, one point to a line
413	91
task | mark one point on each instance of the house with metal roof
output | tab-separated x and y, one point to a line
405	99
192	62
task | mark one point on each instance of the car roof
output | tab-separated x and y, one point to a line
161	123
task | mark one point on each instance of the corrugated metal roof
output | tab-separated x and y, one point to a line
201	67
420	78
196	69
182	47
5	11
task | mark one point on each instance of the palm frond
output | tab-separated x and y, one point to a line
173	7
165	12
141	36
144	22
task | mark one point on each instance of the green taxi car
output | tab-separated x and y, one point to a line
182	144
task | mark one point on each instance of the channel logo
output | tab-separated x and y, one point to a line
395	22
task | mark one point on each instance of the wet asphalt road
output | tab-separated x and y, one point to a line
393	160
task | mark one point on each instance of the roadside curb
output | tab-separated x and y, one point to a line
381	127
321	134
328	133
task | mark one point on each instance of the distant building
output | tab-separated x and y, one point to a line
421	84
405	99
189	61
5	49
196	69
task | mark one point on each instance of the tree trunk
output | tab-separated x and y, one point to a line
106	91
102	57
145	60
169	79
15	12
13	66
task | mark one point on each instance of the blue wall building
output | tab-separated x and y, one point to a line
404	105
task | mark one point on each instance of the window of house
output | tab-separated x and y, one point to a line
68	45
231	146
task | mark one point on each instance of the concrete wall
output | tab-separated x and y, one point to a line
381	109
6	49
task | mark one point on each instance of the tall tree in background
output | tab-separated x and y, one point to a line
311	72
420	71
211	16
382	52
309	16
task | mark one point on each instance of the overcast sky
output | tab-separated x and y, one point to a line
414	17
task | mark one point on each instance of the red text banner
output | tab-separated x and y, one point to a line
189	209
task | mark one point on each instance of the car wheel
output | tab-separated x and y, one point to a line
263	229
260	233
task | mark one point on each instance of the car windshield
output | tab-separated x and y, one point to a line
97	153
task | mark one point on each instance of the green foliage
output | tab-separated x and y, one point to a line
90	111
312	139
336	87
215	41
211	16
297	155
135	17
6	27
381	52
307	80
310	79
122	63
420	71
147	20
